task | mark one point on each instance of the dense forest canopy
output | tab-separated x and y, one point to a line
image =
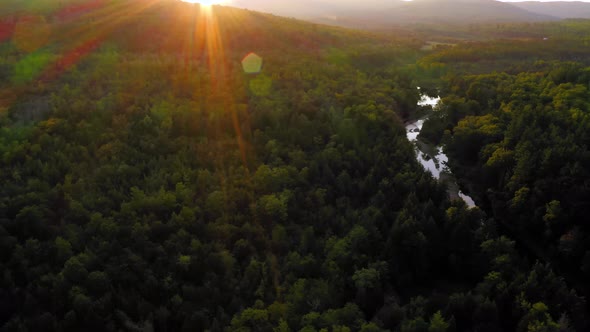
167	167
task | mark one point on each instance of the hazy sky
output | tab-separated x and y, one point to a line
390	1
307	8
545	0
355	3
345	3
365	2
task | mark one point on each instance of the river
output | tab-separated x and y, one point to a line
432	158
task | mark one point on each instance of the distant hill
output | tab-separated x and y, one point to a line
433	11
387	13
574	9
299	9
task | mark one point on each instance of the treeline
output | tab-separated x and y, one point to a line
519	142
522	141
488	31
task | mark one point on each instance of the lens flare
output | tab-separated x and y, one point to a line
31	33
252	63
208	2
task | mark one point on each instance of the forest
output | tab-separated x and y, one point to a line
170	167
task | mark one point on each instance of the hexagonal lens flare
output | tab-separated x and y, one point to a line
252	63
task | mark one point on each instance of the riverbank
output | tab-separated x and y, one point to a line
432	157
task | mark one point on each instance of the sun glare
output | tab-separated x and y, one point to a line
208	2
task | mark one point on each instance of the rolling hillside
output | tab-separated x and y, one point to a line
432	11
560	9
387	13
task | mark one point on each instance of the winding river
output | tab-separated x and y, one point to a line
432	157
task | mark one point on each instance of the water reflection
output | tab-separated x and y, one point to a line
432	158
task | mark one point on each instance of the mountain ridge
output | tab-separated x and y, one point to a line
455	11
559	9
402	12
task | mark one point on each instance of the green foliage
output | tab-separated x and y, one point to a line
522	152
30	67
438	323
153	185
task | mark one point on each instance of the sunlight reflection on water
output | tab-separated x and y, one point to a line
432	158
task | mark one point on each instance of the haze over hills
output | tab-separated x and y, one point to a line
383	13
370	13
453	11
560	9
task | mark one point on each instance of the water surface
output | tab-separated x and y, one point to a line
432	157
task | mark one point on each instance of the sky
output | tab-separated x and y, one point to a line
546	0
370	2
390	1
386	2
346	3
329	8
